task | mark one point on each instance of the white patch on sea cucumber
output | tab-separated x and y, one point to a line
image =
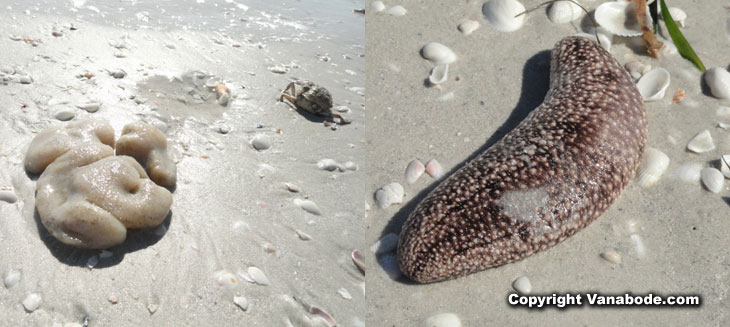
525	205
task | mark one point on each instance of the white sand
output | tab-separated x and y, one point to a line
683	226
231	208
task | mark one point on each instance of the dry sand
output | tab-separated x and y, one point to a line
496	80
231	207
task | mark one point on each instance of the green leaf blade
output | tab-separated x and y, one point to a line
679	41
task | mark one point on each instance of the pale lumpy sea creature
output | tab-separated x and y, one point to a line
550	177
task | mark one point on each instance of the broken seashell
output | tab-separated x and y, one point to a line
713	179
678	15
357	260
701	142
653	85
652	166
439	74
258	276
503	14
468	26
561	12
308	206
389	194
396	11
438	53
718	79
619	18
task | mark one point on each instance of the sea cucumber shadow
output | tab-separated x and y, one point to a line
535	85
136	240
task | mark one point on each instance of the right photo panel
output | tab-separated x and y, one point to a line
558	163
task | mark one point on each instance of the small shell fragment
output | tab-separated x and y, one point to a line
389	194
308	206
561	12
357	260
8	196
303	236
241	302
653	85
64	114
522	285
443	320
344	293
414	170
653	164
718	79
328	164
502	14
11	279
612	256
433	169
258	276
713	179
32	302
261	142
396	11
701	142
90	107
438	53
439	74
468	26
678	15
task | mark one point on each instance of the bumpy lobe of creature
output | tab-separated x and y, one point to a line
550	177
148	145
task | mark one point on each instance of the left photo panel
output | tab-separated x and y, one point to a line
182	163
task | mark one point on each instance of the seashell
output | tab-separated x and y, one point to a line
241	302
725	165
64	114
688	173
654	84
434	169
522	285
438	53
328	164
357	260
612	256
619	18
638	245
261	142
11	279
308	206
701	142
317	311
396	11
90	107
652	166
292	188
386	244
501	14
637	69
605	40
439	74
414	170
561	12
344	293
377	6
468	26
303	236
258	276
443	320
718	79
713	179
389	194
669	47
8	196
32	302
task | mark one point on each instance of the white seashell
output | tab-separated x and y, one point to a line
439	74
258	276
701	142
225	278
718	79
386	244
438	53
90	107
636	69
64	114
688	173
396	11
241	302
725	165
327	164
389	194
344	293
678	15
605	40
32	302
468	26
11	279
652	166
638	245
278	69
303	236
389	263
414	170
443	320
501	14
308	206
434	169
723	111
8	196
377	6
357	260
561	12
713	179
654	84
522	285
261	142
292	188
612	256
619	18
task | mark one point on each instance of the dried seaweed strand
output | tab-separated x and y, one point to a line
650	41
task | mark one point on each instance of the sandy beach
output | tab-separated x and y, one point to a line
233	206
496	80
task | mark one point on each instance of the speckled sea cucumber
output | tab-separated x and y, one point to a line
550	177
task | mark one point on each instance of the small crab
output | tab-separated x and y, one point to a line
312	98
